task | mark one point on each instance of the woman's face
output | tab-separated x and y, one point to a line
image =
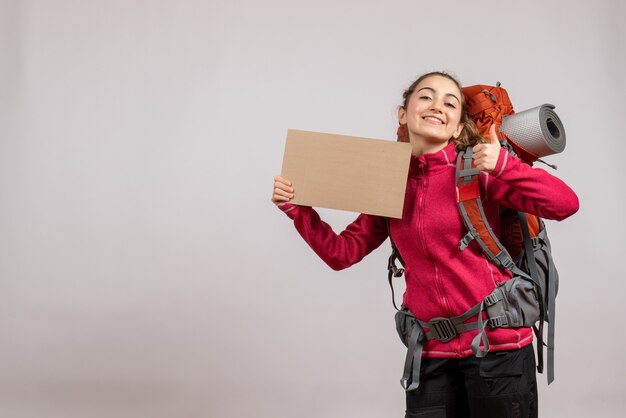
433	112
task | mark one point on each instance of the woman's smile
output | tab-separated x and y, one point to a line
433	119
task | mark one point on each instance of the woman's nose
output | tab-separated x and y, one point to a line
436	105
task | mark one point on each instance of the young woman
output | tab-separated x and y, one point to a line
441	280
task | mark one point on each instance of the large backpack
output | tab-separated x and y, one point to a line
526	300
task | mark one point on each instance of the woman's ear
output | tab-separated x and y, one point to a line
402	115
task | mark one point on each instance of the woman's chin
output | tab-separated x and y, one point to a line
430	139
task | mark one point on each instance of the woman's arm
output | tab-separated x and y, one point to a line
517	185
341	250
508	181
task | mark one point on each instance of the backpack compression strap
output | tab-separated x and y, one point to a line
547	302
531	263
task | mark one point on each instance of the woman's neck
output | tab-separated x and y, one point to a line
425	147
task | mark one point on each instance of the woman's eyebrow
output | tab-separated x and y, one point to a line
434	91
452	95
427	88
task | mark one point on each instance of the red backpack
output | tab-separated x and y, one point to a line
487	105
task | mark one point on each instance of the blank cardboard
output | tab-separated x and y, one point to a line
345	172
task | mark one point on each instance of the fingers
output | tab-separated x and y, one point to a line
486	155
493	141
280	193
493	136
283	191
482	167
485	163
282	180
486	159
480	151
281	196
282	184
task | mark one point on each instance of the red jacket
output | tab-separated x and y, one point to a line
441	280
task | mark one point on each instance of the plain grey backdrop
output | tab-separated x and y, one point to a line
144	271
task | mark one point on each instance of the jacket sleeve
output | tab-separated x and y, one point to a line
341	250
519	186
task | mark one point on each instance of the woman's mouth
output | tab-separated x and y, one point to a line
433	119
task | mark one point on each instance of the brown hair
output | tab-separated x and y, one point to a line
469	135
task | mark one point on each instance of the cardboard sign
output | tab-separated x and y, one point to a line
348	173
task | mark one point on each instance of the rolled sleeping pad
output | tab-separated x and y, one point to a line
538	130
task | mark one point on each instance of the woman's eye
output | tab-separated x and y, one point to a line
451	105
425	97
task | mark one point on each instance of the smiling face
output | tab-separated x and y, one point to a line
432	114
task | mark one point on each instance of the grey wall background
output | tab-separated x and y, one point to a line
144	271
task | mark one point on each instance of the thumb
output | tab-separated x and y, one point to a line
493	136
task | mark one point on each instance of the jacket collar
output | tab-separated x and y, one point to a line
433	162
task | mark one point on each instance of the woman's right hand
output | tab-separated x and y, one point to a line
283	192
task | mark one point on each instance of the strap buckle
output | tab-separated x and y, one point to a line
442	329
500	321
469	237
493	298
505	260
393	268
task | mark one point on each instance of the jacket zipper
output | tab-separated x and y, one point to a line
438	283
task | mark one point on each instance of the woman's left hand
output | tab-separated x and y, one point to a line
486	155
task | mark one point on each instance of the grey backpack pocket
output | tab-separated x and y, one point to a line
515	304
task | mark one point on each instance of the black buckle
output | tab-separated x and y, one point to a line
395	271
442	329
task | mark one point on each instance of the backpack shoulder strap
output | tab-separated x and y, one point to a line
473	215
471	208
